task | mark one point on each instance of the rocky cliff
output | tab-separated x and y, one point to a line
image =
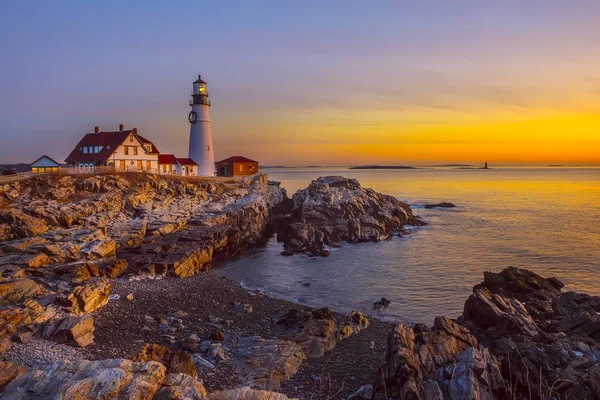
76	224
519	337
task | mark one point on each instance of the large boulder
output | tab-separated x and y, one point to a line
83	379
8	372
318	331
266	363
74	331
444	362
181	387
547	341
176	361
87	298
334	209
247	393
18	290
17	318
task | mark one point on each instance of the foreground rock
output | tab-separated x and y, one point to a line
519	337
176	361
82	379
318	331
87	298
8	372
247	393
335	209
74	331
268	362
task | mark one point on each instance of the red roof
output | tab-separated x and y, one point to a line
109	142
186	161
167	159
146	141
237	159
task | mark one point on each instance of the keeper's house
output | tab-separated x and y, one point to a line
236	166
124	150
44	164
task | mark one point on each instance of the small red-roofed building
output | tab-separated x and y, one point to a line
236	166
187	167
167	164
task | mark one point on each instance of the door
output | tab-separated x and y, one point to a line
139	165
148	165
122	165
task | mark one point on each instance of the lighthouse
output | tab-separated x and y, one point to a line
201	147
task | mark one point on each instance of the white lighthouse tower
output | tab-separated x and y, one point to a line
201	146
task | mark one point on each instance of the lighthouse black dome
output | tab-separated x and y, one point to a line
199	80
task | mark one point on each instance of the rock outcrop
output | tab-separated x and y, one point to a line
335	209
247	393
18	290
318	331
74	331
152	222
87	298
266	363
82	379
519	337
8	372
62	237
176	361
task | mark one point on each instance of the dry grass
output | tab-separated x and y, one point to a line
546	391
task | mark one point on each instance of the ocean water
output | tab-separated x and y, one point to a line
543	219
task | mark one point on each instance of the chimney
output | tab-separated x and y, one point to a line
96	129
135	130
120	127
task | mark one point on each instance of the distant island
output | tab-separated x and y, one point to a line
449	165
286	166
381	167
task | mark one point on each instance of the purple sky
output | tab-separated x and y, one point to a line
314	76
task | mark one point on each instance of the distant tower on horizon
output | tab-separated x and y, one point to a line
486	166
201	145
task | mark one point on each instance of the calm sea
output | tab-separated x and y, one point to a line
543	219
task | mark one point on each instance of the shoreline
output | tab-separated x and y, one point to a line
119	332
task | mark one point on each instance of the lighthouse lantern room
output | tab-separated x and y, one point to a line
201	147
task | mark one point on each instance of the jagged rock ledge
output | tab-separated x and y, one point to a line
334	209
519	337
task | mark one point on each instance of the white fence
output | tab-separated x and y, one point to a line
4	179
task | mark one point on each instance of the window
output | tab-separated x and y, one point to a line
148	165
139	165
251	167
85	150
241	167
126	150
207	148
131	138
135	150
164	168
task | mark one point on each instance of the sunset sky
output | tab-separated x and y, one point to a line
309	82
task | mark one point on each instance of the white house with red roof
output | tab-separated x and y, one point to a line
168	164
125	150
